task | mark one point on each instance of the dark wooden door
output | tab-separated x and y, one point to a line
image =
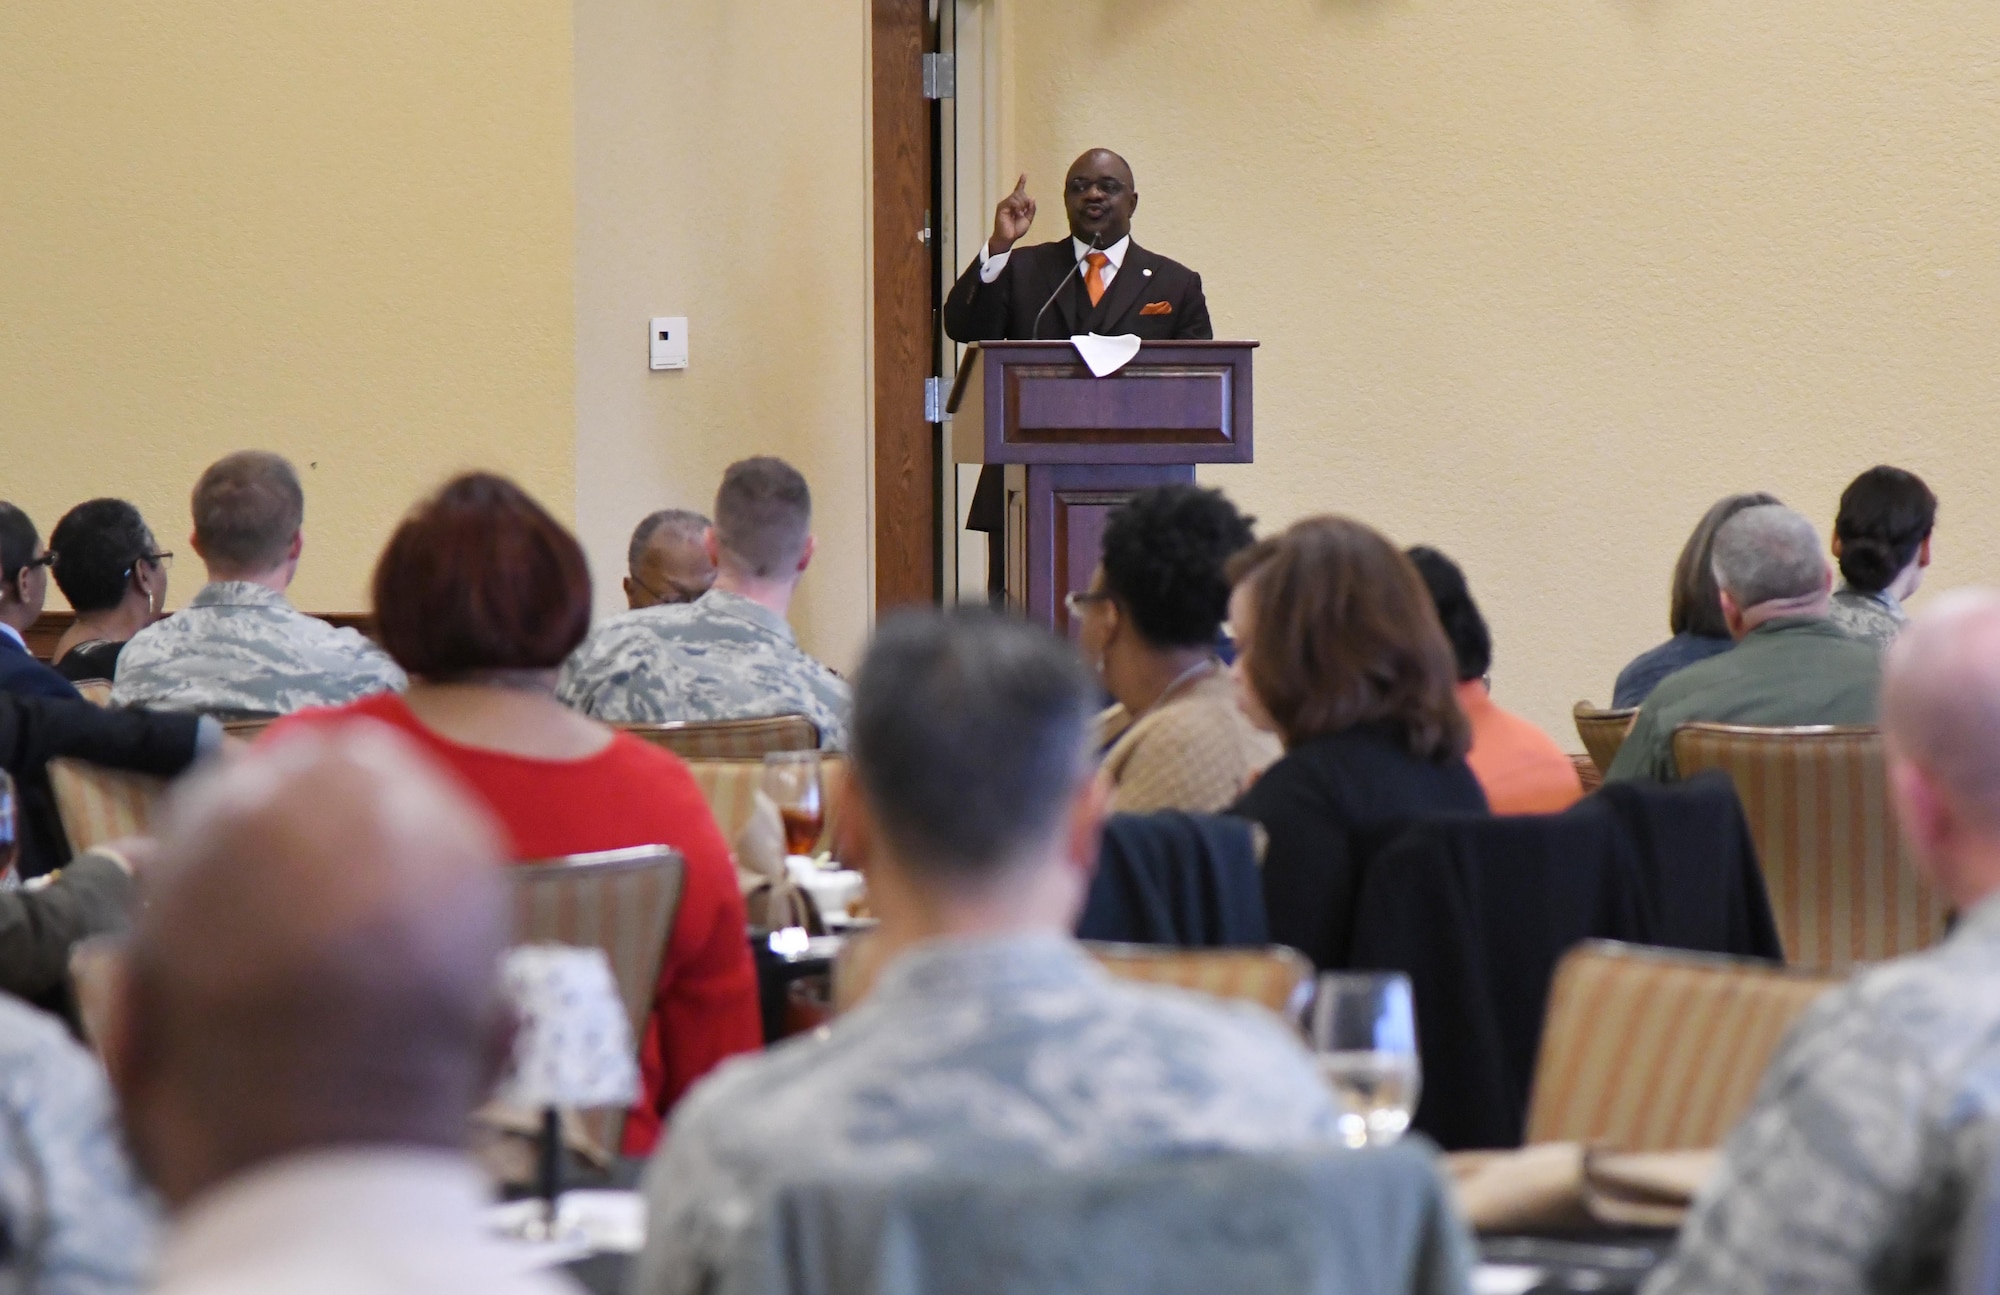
905	184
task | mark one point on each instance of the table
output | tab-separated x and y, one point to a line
1604	1263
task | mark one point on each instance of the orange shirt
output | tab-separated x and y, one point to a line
1521	768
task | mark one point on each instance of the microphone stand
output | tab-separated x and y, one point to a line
1035	333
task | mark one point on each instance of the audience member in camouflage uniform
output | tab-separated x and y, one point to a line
667	560
731	653
1868	1140
70	1207
990	1039
240	647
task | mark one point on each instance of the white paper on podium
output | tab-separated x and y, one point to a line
1106	355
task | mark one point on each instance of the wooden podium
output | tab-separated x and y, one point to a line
1076	446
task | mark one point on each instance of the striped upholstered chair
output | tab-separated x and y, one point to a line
1658	1050
97	804
1602	731
621	901
1818	804
1270	976
730	739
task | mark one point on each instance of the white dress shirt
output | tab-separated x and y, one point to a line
990	266
383	1221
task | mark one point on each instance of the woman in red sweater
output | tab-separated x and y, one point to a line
479	597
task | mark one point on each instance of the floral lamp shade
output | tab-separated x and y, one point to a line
574	1046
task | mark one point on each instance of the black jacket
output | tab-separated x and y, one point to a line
1157	299
1318	804
1478	912
1181	879
33	730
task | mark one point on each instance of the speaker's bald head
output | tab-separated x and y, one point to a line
1941	701
317	962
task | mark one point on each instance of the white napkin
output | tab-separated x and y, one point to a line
1106	355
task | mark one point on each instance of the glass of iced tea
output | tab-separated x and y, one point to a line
1363	1031
792	781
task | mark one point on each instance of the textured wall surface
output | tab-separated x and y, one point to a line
722	175
1537	282
337	230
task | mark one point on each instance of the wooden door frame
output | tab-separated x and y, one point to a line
904	193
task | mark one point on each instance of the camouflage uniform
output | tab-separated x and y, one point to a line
239	647
68	1200
1869	1137
975	1054
719	657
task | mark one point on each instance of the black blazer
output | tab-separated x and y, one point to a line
1318	806
33	730
1157	299
1478	912
21	674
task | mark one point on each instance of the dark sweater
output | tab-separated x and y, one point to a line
1316	802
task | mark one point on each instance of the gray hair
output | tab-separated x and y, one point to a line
970	736
678	523
1768	554
1941	699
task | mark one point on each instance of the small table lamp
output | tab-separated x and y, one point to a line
574	1046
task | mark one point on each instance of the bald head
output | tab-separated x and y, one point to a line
1941	716
1768	563
1100	196
316	966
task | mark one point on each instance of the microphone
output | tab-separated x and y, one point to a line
1035	333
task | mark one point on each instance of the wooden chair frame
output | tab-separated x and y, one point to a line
730	739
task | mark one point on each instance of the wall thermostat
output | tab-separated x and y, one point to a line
669	342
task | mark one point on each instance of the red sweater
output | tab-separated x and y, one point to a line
631	793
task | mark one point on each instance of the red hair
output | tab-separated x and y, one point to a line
479	577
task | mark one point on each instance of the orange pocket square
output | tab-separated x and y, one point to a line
1157	308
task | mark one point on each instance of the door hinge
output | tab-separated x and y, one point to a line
934	398
940	76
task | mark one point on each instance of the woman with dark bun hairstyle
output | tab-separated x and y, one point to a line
1149	624
1882	540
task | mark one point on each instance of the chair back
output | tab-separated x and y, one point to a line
97	804
1588	775
1322	1220
1270	977
730	787
1658	1050
1602	731
730	739
1841	888
95	691
621	901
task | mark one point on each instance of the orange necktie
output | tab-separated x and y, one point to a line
1093	278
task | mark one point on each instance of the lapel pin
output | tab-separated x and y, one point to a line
1147	273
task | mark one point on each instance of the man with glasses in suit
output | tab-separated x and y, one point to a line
24	587
1095	281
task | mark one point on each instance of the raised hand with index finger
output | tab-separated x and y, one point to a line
1011	218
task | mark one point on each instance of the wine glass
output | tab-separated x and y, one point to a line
792	781
1363	1031
10	834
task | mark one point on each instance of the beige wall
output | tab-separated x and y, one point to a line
341	231
1537	282
722	174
